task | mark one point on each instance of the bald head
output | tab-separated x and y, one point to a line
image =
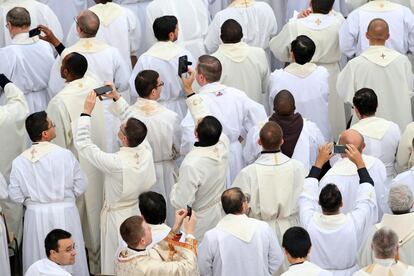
284	103
353	137
232	201
378	31
271	136
88	24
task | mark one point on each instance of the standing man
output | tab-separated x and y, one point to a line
4	245
300	5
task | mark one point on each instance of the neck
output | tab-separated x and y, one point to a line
71	78
376	43
331	213
293	261
270	150
17	31
366	116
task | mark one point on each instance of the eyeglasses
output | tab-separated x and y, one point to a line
159	85
122	131
52	126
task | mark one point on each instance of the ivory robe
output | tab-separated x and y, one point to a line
405	157
4	247
386	267
300	5
389	74
344	232
39	14
323	30
400	20
214	6
202	176
279	9
27	62
46	267
306	268
256	18
164	136
309	85
48	206
193	20
274	202
163	57
252	241
128	173
381	140
245	68
236	112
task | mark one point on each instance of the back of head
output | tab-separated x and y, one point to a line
19	17
400	199
303	49
378	30
330	199
322	6
366	101
152	207
271	136
385	243
132	230
284	103
52	240
36	123
76	64
135	131
88	23
209	131
231	31
232	201
145	81
297	242
209	67
163	26
351	136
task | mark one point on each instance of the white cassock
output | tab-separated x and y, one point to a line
300	5
386	267
403	226
256	18
244	67
214	6
128	173
39	14
306	149
4	247
306	268
64	110
164	136
106	64
400	21
381	139
193	20
279	9
405	157
389	74
118	27
46	267
274	203
163	57
237	114
337	238
309	85
323	30
48	206
202	176
27	62
345	176
252	241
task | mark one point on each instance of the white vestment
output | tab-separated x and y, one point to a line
202	175
193	20
400	22
300	5
245	68
46	267
381	139
385	268
128	173
163	57
323	30
252	241
48	206
214	6
4	247
389	74
279	9
236	112
309	85
306	268
405	156
39	14
27	63
330	233
164	136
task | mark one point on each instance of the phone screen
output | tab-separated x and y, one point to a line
34	32
339	149
102	90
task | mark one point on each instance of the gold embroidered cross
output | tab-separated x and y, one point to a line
137	157
382	55
87	45
33	152
381	5
147	108
318	22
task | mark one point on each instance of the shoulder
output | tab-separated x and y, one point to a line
322	70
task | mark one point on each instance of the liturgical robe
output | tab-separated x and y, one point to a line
306	268
405	156
300	5
46	267
4	247
385	268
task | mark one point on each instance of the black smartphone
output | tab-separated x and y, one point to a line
339	149
34	32
102	90
183	64
189	211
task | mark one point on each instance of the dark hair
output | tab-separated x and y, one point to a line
297	242
163	26
209	130
231	31
18	17
132	231
232	200
145	81
36	123
366	101
322	6
284	103
76	64
303	49
153	207
210	67
52	240
135	131
330	198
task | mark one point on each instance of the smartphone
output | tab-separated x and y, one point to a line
339	149
102	90
34	32
183	65
189	211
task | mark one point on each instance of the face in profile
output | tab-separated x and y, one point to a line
65	255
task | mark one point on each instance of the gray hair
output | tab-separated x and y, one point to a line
385	243
18	17
400	199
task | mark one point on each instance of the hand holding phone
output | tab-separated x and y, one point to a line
189	211
183	64
339	149
103	90
34	32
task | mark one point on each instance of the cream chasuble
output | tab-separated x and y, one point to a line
405	156
386	268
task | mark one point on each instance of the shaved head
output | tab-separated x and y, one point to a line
378	31
284	103
88	24
353	137
271	136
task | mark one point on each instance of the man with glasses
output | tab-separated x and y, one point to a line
47	179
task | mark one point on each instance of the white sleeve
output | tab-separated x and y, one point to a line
14	190
134	33
212	40
183	192
80	182
16	106
348	35
275	255
252	149
280	44
308	201
121	74
346	82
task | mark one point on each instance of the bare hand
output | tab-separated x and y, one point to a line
113	94
324	154
304	13
179	218
48	36
188	81
354	155
190	223
89	103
